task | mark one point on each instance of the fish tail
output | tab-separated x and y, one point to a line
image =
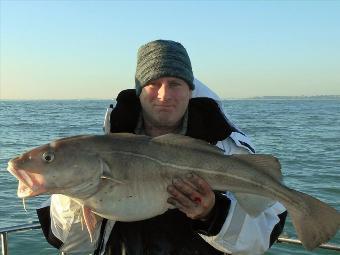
315	222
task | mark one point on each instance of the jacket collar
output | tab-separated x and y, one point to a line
205	119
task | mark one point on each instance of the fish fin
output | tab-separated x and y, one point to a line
187	142
315	221
91	221
267	164
127	136
253	204
107	174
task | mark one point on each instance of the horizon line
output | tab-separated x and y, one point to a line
228	98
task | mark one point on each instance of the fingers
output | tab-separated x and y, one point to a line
187	189
180	195
192	195
200	184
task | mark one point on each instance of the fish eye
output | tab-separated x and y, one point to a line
48	156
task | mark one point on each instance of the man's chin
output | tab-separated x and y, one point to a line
166	121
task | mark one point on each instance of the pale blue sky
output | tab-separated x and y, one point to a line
87	49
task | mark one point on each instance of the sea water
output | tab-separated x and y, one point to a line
303	134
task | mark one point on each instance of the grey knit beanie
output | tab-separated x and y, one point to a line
161	58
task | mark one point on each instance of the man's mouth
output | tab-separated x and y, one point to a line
164	107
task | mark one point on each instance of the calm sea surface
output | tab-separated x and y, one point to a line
303	134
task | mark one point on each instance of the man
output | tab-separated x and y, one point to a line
205	221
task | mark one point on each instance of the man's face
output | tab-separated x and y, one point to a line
164	101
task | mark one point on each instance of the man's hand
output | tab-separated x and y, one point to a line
192	195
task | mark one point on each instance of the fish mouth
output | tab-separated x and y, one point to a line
30	184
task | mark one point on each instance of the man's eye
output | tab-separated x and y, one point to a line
174	84
48	156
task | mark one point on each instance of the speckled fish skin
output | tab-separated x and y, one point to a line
124	177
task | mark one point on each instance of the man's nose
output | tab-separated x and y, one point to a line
163	92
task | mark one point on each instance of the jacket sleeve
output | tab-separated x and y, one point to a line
64	227
241	233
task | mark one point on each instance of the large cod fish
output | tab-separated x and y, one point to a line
124	177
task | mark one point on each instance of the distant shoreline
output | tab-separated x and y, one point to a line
330	97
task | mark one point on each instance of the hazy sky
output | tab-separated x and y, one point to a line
87	49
